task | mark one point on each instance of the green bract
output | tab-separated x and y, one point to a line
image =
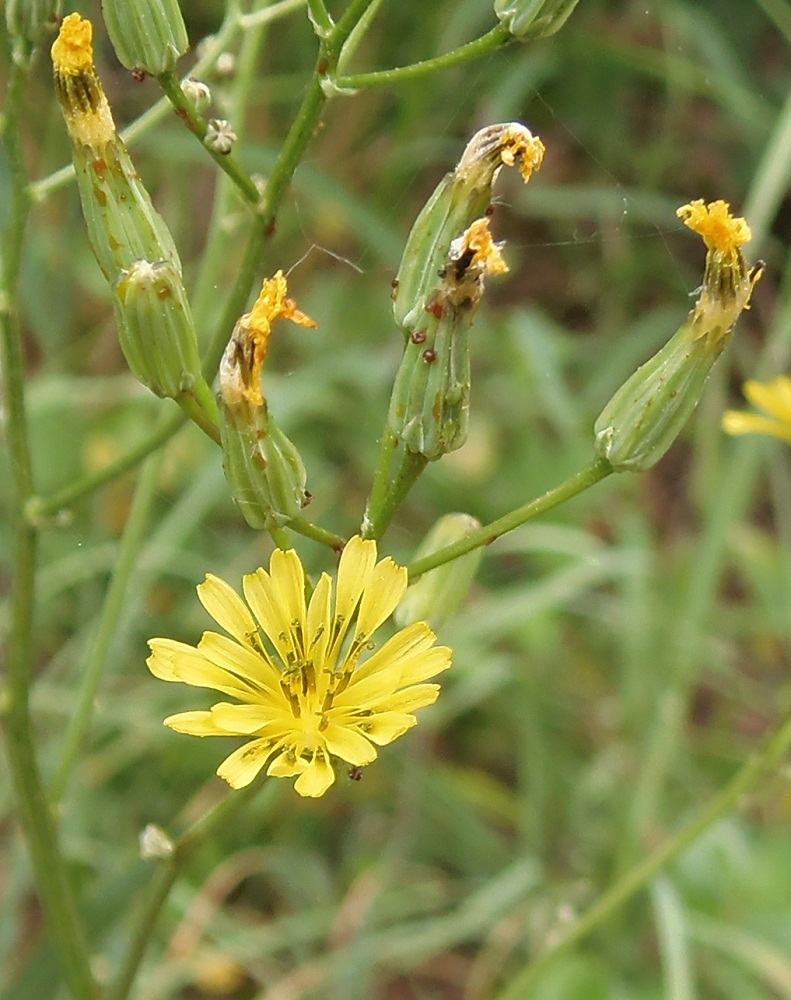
146	34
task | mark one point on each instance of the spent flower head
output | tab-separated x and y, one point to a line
774	398
304	694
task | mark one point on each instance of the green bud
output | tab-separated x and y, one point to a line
155	328
429	405
648	412
146	34
123	225
29	20
262	466
437	594
534	18
461	197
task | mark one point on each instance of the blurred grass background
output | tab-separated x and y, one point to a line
616	661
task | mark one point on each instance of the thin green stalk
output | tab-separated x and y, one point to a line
576	484
320	18
387	446
38	509
490	42
227	162
309	530
146	917
638	878
134	535
194	409
412	465
38	824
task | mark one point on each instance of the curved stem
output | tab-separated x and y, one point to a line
412	465
387	446
38	824
317	533
492	40
639	876
577	483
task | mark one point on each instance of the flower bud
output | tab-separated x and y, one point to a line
534	18
27	21
461	196
123	225
440	592
155	328
429	405
262	466
647	413
146	34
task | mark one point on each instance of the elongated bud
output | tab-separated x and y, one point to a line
647	413
123	225
262	466
440	592
429	405
155	328
146	34
534	18
461	197
29	20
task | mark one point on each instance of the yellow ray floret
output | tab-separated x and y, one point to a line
774	398
72	52
714	222
304	694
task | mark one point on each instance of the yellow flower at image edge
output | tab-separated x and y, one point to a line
305	694
774	398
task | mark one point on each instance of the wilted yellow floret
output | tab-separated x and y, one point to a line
72	51
519	145
774	398
719	229
85	108
270	305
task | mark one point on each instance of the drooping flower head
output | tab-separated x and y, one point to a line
305	694
774	398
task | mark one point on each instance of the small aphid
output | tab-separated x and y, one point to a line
418	337
356	773
429	356
138	75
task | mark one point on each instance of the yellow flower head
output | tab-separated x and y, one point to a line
240	370
774	398
727	282
85	108
497	145
304	694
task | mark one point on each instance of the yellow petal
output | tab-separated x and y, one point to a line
288	583
227	608
412	641
262	596
256	670
286	765
417	696
315	779
176	661
388	726
385	587
240	720
357	561
318	625
773	397
194	724
739	422
350	745
244	764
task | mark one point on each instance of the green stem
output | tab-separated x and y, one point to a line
135	532
412	464
373	508
576	484
194	409
145	920
40	508
38	824
227	162
317	533
320	18
639	876
492	40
